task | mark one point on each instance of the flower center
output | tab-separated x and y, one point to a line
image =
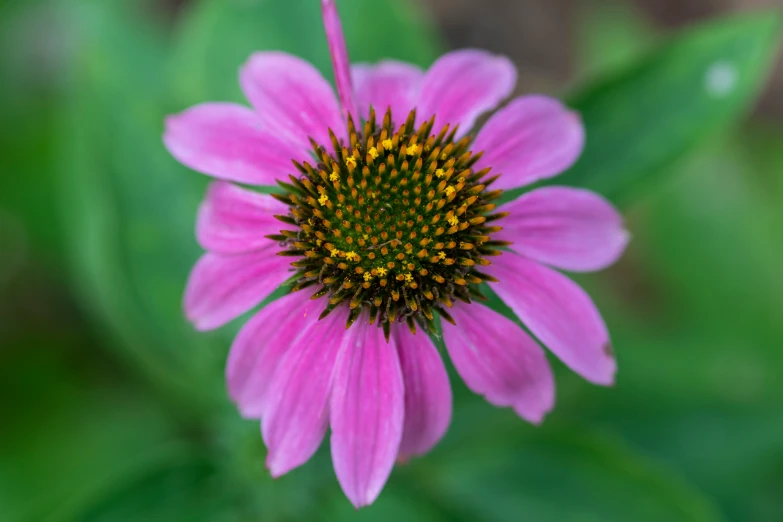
397	223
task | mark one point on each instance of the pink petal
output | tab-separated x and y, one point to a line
340	62
235	220
387	84
227	141
558	312
296	413
260	346
461	85
291	98
367	413
569	228
427	392
221	288
497	359
532	138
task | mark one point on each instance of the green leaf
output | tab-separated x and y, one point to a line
128	214
75	427
733	454
492	466
642	119
712	242
187	490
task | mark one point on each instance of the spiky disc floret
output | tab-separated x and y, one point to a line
396	222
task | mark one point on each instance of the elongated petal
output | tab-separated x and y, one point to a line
340	62
291	98
227	141
427	392
235	220
532	138
260	346
462	85
497	359
367	413
388	84
558	312
297	415
568	228
221	288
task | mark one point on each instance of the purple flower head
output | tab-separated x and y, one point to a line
389	220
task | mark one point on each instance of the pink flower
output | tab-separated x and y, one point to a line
389	222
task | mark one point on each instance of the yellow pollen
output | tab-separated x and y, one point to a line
400	197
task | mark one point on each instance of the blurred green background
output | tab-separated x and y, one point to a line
113	409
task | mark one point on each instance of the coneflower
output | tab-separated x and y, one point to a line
389	221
